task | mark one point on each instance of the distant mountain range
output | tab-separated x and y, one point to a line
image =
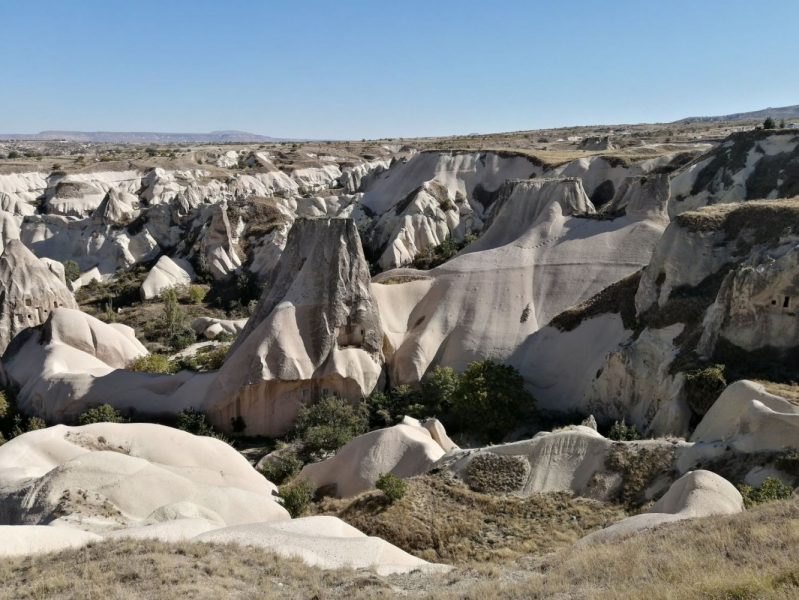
785	112
143	137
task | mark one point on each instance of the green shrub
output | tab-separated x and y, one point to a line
196	295
297	496
35	423
151	363
490	400
703	387
769	123
771	489
182	339
71	270
438	386
621	432
392	486
329	424
281	469
376	405
238	424
433	256
14	154
105	413
194	422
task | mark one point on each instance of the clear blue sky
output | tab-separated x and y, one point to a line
354	69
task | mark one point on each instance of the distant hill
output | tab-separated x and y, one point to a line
143	137
785	112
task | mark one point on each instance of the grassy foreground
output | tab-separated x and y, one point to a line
753	555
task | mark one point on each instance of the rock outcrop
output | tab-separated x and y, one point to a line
541	252
218	246
29	292
110	476
752	165
596	144
167	273
402	450
315	332
696	494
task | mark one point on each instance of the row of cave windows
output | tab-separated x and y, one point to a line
786	303
29	304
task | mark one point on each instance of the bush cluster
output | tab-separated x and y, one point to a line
770	490
703	387
393	487
621	432
297	496
281	469
105	413
433	256
327	425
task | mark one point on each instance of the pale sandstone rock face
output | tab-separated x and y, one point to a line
167	273
9	229
128	474
696	494
403	450
27	540
210	327
218	246
118	208
315	332
753	165
426	217
596	144
29	291
750	419
74	198
114	344
324	542
536	257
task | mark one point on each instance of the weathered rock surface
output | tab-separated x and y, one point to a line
324	542
167	273
402	450
110	476
750	419
315	332
29	291
696	494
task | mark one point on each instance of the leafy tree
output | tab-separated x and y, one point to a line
35	423
769	123
281	469
238	424
392	487
782	124
438	386
14	154
71	270
105	413
329	424
621	432
490	400
196	294
297	496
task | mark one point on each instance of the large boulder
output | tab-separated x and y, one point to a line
115	344
750	419
110	476
696	494
315	332
402	450
29	292
167	273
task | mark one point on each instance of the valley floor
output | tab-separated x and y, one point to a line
751	555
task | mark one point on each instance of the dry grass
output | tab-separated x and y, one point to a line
442	520
753	555
789	391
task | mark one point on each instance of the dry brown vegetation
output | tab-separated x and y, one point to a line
753	555
442	520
